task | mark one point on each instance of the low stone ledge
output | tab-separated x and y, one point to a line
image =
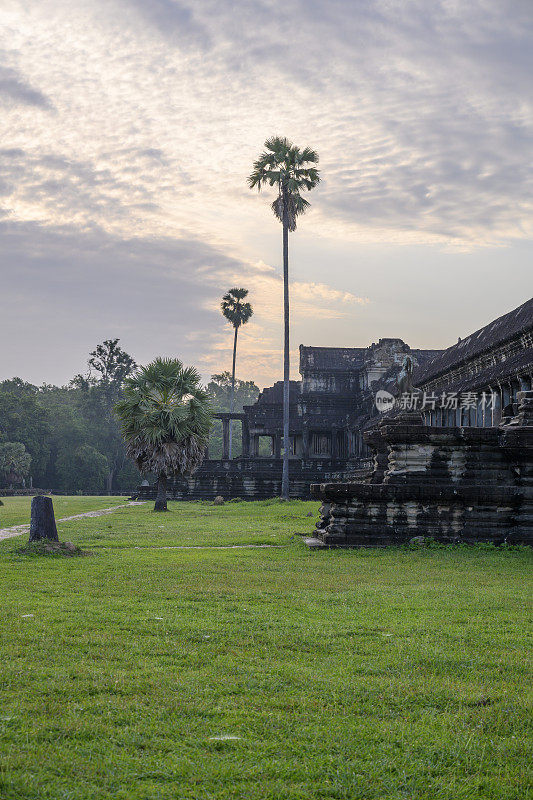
343	492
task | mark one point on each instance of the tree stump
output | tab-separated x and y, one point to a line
43	523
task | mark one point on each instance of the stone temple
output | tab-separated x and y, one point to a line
328	409
451	459
454	461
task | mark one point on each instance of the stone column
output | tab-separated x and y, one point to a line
254	445
333	448
225	438
276	449
479	417
305	442
497	410
245	439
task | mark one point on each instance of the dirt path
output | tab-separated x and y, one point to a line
18	530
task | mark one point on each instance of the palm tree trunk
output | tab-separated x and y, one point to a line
161	499
286	357
232	399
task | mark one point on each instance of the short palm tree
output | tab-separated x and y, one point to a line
165	418
291	171
238	313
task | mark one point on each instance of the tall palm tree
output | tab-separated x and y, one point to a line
238	313
291	170
165	418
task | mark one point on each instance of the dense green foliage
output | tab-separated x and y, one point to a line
165	419
347	675
25	419
15	462
70	432
82	466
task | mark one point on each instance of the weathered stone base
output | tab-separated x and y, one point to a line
451	484
359	515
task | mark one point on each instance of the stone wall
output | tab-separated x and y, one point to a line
249	479
451	484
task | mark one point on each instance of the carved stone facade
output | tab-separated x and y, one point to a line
455	476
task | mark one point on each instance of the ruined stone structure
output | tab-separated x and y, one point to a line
453	474
327	409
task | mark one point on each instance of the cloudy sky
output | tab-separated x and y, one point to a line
128	130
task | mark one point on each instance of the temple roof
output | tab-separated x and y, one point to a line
518	364
507	327
274	394
351	359
331	358
425	356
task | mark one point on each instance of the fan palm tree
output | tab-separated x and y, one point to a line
238	313
291	171
165	418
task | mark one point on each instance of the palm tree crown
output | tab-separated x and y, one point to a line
286	166
165	418
235	311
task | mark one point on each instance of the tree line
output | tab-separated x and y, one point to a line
67	439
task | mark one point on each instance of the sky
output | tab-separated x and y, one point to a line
128	128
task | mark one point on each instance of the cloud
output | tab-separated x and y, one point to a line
421	113
14	89
173	19
160	296
320	293
51	187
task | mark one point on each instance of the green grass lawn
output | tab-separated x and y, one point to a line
16	510
357	675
